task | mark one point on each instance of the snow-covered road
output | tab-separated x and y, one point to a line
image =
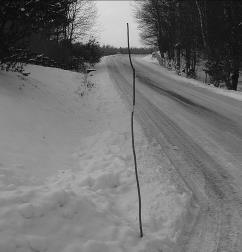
201	133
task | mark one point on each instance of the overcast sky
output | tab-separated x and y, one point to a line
112	19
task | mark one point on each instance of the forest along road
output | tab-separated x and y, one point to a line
201	133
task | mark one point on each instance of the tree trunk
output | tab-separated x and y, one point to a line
188	61
228	81
235	78
159	46
235	65
201	19
235	46
178	59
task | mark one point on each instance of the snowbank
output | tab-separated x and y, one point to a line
41	122
92	208
172	74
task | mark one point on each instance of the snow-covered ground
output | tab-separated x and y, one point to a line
172	74
66	169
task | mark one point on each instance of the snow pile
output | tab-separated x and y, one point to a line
172	74
41	123
92	207
151	58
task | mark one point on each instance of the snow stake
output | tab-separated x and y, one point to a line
132	132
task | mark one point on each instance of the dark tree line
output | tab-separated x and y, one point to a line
52	28
111	50
186	30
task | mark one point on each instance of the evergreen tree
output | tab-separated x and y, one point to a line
21	18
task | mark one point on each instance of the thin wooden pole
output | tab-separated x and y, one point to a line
132	132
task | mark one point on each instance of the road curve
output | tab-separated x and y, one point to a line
201	133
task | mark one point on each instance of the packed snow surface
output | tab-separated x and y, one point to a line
66	169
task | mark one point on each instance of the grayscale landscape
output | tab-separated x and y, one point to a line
121	126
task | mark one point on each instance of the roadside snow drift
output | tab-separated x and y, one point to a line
173	75
66	173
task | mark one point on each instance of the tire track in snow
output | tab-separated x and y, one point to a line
218	226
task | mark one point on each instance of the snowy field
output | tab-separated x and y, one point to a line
66	169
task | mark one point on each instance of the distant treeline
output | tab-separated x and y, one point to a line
110	50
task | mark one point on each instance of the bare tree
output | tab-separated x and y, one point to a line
81	15
171	25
